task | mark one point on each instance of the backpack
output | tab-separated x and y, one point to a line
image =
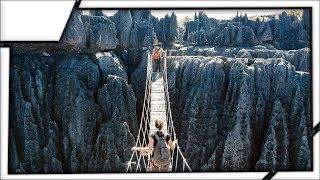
161	154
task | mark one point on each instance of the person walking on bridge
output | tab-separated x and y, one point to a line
159	147
161	144
156	56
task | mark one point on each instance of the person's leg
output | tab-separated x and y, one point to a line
158	62
154	65
154	168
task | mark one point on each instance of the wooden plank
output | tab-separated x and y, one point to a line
158	102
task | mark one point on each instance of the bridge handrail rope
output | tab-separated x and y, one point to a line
172	130
145	123
145	110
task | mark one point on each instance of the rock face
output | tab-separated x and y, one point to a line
238	144
276	147
74	36
167	30
138	78
285	32
142	34
123	21
234	35
299	58
101	33
72	107
248	106
138	29
31	126
264	31
76	114
89	33
70	113
241	104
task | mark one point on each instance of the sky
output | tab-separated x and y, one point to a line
218	14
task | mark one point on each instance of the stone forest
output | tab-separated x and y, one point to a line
240	92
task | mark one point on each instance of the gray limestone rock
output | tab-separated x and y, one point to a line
268	159
117	97
112	148
110	64
259	83
237	151
123	22
89	33
101	33
240	100
59	102
74	36
52	164
275	154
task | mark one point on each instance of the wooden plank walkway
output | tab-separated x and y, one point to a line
158	103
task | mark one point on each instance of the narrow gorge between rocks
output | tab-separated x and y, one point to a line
240	92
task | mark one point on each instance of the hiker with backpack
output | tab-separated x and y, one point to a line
159	147
161	144
157	55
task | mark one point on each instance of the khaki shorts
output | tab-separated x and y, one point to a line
158	168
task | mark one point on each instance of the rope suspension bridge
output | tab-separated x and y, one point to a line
156	106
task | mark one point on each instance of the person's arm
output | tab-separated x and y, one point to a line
145	150
151	144
173	144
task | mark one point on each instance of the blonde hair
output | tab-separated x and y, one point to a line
159	124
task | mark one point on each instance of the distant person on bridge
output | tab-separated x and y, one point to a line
156	56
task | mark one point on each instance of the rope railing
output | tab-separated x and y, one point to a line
144	118
170	120
137	158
